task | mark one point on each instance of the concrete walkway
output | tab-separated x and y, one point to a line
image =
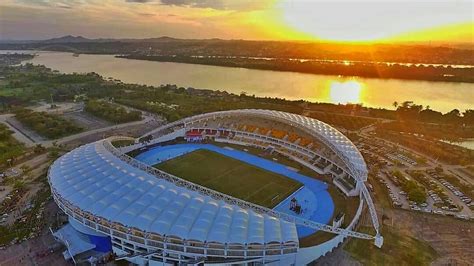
23	138
17	134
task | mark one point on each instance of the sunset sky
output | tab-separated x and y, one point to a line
328	20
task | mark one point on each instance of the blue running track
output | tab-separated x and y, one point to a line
313	197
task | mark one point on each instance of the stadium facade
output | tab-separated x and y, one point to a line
148	216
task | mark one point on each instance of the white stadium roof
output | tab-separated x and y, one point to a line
96	181
330	136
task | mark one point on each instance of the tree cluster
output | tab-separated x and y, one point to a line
111	112
9	147
48	125
409	111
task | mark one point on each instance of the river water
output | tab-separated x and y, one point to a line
441	96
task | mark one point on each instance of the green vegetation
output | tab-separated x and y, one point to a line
346	121
24	85
111	112
464	187
175	103
280	159
9	147
14	58
232	177
379	192
346	205
123	143
31	221
435	149
421	129
47	125
398	249
364	69
414	190
450	132
409	111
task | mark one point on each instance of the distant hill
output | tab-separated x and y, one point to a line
63	39
68	39
165	39
168	46
80	39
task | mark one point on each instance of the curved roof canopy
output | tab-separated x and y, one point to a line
94	180
330	136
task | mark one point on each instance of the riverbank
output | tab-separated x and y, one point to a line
377	93
342	68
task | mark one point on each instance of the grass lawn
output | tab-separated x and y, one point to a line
397	249
9	146
232	177
280	159
10	91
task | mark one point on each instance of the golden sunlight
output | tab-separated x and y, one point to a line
345	92
354	21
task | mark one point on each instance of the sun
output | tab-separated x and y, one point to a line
367	21
323	20
345	92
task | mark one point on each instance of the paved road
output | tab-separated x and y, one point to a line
18	135
431	163
463	175
395	190
48	143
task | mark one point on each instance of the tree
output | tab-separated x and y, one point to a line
468	117
430	116
39	148
453	117
409	111
145	139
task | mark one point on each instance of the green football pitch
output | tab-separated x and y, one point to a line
231	177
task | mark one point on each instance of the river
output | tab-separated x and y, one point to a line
441	96
466	143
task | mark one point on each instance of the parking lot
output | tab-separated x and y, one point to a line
43	250
442	197
86	120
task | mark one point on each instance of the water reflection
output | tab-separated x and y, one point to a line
345	92
441	96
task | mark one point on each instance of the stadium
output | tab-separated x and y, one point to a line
231	187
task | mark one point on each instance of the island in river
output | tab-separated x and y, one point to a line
401	61
382	70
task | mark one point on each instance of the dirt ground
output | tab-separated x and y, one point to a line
337	257
42	250
452	239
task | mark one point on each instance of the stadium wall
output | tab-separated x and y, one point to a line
101	241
